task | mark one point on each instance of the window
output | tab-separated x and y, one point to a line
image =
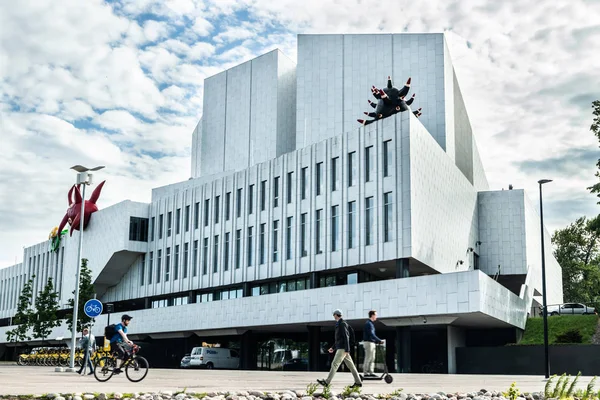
369	157
187	218
176	264
250	245
160	226
387	157
195	259
276	192
169	223
288	239
205	257
351	169
319	178
250	198
303	182
168	265
387	217
186	250
178	221
334	173
318	231
206	211
143	270
217	203
227	206
138	229
226	252
351	223
303	251
238	203
261	254
153	228
369	221
216	254
263	195
150	267
475	261
238	248
290	187
158	266
196	215
335	228
352	278
275	241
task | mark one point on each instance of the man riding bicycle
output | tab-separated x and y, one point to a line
120	342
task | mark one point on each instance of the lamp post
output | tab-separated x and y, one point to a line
545	305
83	178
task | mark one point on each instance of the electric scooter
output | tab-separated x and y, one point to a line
385	375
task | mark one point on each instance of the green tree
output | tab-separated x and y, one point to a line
596	129
86	292
24	316
577	250
47	307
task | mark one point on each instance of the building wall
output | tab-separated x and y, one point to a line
12	280
196	142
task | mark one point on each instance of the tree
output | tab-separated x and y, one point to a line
86	292
577	250
24	316
47	308
596	129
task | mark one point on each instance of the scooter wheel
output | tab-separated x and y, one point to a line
389	379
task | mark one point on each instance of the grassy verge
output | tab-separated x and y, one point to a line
557	325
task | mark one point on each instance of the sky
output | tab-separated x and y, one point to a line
120	84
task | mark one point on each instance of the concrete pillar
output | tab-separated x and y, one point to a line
402	268
403	349
248	351
314	347
314	280
456	338
246	289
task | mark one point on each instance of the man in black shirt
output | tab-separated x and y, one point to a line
370	339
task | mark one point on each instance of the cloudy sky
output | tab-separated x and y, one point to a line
120	84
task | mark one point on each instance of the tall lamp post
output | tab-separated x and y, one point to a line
545	305
83	178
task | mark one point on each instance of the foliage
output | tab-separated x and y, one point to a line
512	393
348	390
573	385
558	325
589	391
595	128
562	389
24	316
577	250
326	392
311	388
86	292
570	336
395	393
547	392
47	308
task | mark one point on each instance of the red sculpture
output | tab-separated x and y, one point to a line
73	212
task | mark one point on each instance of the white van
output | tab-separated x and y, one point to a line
212	357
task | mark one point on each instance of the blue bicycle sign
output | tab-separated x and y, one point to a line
93	308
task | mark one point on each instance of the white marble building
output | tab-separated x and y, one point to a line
294	209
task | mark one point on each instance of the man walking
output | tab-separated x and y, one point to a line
370	339
342	351
88	345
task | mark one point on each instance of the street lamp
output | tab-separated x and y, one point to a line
545	305
83	178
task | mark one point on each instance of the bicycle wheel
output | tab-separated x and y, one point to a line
105	368
136	369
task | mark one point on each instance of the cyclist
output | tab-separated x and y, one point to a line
120	342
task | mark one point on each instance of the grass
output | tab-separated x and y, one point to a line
534	330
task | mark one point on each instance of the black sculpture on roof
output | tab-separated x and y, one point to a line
390	101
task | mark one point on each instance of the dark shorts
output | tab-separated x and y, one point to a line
123	350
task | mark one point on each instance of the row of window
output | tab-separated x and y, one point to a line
173	271
319	189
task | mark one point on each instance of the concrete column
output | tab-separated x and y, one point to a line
314	280
402	268
246	290
314	347
403	349
456	338
248	348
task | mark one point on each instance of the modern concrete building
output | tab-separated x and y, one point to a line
294	209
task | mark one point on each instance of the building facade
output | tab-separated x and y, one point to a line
294	210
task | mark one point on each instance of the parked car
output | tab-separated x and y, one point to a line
296	364
211	357
570	309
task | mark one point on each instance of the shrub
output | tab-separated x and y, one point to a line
570	336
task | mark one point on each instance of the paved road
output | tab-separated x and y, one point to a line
15	380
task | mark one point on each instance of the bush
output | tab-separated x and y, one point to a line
570	336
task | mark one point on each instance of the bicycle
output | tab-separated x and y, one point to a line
104	368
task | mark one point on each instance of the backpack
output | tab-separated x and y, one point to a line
352	337
110	331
